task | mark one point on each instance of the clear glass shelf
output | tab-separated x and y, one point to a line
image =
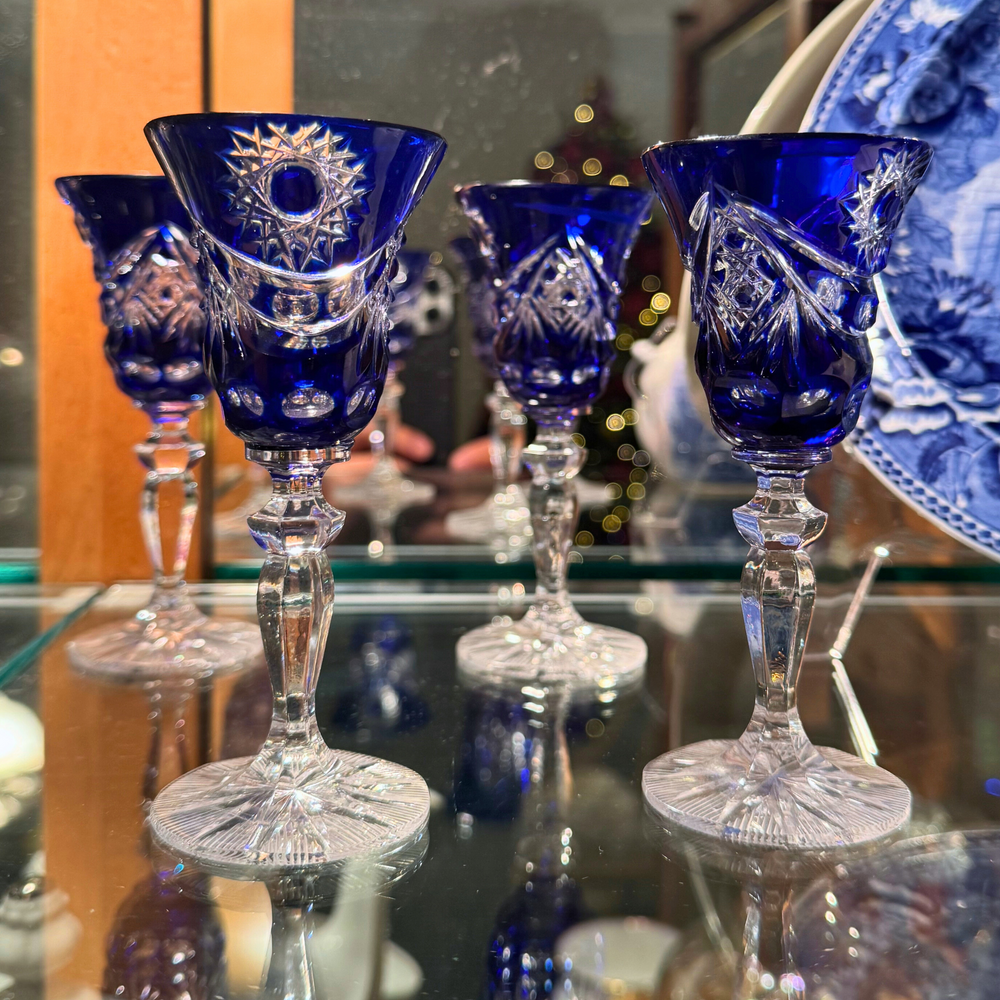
922	660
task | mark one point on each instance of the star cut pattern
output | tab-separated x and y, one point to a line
876	206
561	288
152	286
292	241
752	292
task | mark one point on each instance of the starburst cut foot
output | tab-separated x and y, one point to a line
232	817
793	796
548	650
158	645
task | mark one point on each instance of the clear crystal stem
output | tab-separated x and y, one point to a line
778	591
297	805
553	459
544	844
294	601
772	788
552	644
507	434
767	968
384	425
290	969
169	454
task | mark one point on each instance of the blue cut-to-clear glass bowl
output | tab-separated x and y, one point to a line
152	300
478	293
557	253
406	286
299	219
783	235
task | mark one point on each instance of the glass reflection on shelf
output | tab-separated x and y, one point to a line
421	304
152	304
502	520
383	690
556	253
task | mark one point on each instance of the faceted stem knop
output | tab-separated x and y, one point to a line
553	459
169	454
294	598
778	590
507	427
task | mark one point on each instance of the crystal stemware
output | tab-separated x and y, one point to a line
152	304
298	221
783	236
557	253
416	292
503	519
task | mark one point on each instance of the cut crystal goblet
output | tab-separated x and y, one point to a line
557	254
385	490
783	236
298	221
152	304
503	519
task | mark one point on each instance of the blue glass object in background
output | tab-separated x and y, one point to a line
151	295
300	219
492	771
521	958
783	236
165	943
559	252
478	292
406	286
384	694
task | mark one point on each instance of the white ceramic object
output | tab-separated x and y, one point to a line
667	373
613	957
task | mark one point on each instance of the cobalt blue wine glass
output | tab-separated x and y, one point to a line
557	255
298	222
421	303
783	236
503	519
152	304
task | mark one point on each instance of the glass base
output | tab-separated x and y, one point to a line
160	643
385	487
266	814
551	645
785	794
503	520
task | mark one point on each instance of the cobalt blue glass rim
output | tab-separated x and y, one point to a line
762	138
541	186
223	117
70	178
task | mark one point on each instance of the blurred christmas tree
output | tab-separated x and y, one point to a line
599	147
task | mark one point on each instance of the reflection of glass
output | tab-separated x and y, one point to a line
422	303
384	693
298	221
557	253
783	236
152	304
503	519
547	899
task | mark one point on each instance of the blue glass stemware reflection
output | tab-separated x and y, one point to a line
557	255
783	236
421	304
152	305
503	519
298	222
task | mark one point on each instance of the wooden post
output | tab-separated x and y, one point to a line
103	68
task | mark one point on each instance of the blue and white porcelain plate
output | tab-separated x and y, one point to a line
930	427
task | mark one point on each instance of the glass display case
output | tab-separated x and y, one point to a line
538	871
